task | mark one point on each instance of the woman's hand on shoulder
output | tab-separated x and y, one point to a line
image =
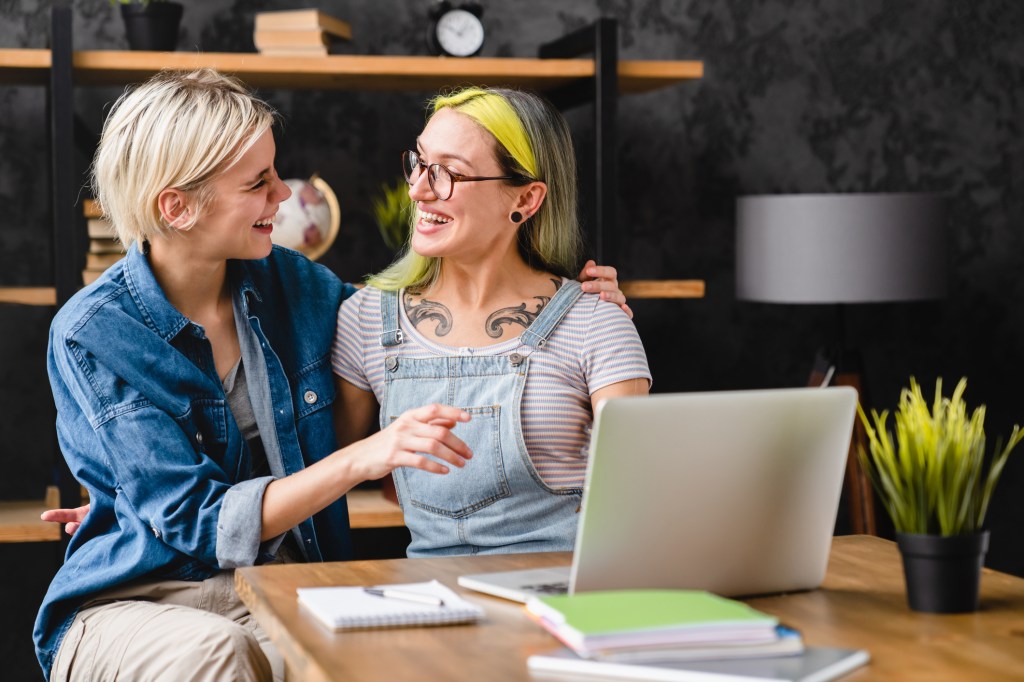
71	518
426	429
604	280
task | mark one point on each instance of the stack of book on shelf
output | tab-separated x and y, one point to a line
299	33
104	248
676	635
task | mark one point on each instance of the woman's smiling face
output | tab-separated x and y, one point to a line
474	221
246	196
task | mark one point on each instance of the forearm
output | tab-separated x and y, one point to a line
288	501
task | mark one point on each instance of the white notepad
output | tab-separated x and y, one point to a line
341	608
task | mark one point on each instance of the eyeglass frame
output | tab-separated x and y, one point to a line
455	177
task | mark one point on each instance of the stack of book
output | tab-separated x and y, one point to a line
104	248
677	636
689	624
298	33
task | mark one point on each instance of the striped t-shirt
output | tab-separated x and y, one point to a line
595	345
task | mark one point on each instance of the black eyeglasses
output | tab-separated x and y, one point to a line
441	180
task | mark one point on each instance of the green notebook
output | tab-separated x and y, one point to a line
633	618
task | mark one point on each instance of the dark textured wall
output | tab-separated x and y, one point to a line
814	96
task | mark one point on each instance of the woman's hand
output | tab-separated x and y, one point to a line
604	280
71	518
424	429
289	500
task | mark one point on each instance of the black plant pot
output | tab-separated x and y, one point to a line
943	573
152	26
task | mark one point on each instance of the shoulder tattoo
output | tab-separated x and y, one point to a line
419	310
516	314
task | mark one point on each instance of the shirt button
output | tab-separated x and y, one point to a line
310	397
199	438
156	533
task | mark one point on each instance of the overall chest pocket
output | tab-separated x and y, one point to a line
463	491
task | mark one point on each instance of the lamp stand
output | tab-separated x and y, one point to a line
843	368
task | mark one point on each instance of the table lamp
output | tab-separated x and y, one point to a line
841	249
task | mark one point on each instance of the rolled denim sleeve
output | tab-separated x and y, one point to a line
240	525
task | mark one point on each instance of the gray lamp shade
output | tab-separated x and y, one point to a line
840	248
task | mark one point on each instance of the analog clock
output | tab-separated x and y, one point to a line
456	31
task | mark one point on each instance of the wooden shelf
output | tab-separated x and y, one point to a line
367	508
19	521
344	72
29	295
663	288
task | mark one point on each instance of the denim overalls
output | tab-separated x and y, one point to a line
497	503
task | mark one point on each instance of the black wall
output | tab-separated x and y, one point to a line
812	96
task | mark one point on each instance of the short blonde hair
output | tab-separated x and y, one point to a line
177	130
532	142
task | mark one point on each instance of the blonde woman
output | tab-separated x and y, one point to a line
480	313
194	399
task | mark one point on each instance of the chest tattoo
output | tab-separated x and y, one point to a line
425	309
516	315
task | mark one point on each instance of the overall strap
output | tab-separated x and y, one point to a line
537	334
391	334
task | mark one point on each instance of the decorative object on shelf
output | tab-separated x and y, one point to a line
841	249
302	32
392	211
933	481
104	247
308	220
151	24
456	31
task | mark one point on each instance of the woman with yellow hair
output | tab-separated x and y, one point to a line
481	313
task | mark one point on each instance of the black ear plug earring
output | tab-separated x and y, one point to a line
516	217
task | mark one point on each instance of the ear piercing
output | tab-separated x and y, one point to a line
516	217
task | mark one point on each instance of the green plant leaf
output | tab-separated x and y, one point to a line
929	470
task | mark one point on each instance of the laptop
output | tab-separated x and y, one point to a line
731	492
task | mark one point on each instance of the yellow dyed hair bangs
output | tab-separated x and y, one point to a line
497	117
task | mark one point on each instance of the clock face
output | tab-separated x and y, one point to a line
459	33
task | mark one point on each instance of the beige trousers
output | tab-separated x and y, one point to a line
170	630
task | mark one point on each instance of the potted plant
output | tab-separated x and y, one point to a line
392	210
151	24
936	482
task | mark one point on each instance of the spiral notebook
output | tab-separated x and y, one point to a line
344	608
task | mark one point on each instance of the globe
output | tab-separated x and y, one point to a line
308	220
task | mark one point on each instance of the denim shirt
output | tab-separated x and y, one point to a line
144	425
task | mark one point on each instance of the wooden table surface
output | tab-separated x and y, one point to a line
862	604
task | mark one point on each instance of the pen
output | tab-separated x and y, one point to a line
417	597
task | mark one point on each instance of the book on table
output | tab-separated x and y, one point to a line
591	622
341	608
815	664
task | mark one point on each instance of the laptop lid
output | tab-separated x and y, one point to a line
731	492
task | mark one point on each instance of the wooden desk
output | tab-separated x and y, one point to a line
861	605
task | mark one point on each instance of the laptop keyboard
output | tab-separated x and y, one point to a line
560	587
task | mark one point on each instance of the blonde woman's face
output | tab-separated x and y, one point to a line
474	222
239	221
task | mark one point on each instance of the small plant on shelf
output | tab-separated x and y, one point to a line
392	209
